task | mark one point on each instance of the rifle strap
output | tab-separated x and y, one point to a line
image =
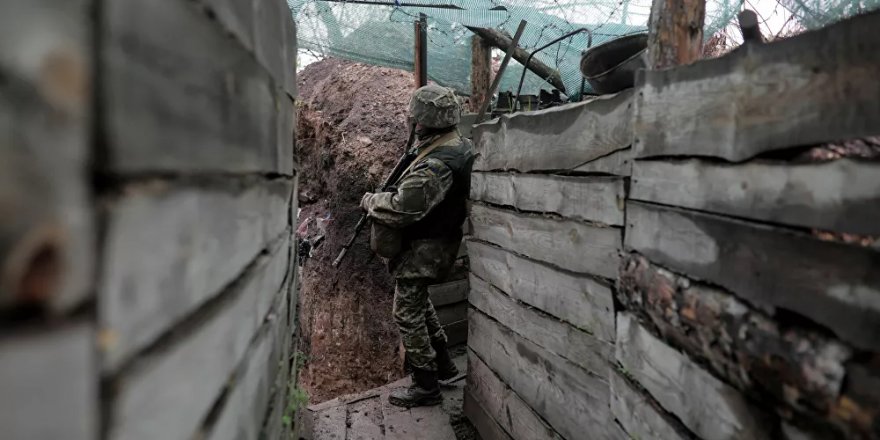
433	146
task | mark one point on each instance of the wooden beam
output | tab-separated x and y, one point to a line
675	32
570	136
498	39
706	405
842	195
481	72
510	48
590	198
813	88
421	51
834	284
568	244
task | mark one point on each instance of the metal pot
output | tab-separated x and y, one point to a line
611	67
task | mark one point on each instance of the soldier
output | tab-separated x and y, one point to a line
426	208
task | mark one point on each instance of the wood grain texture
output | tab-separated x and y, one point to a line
448	293
618	163
707	406
675	32
778	362
813	88
842	195
196	241
184	99
288	27
572	401
236	17
568	244
244	411
269	35
559	138
177	386
834	284
638	415
46	57
49	383
557	337
595	199
500	406
580	301
484	424
481	72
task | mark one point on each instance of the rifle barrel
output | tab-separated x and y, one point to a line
390	180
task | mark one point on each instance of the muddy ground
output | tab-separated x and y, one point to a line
351	128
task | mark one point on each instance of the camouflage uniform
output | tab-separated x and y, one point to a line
428	207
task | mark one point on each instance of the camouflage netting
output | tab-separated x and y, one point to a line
380	33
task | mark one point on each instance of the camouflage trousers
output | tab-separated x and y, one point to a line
417	320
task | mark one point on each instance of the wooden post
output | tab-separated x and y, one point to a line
481	72
421	51
675	32
502	41
514	43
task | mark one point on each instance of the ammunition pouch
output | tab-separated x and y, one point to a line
385	241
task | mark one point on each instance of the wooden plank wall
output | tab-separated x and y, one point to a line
147	285
718	279
546	235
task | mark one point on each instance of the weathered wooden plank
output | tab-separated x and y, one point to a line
236	17
552	335
288	26
176	386
842	195
366	420
269	35
45	62
427	423
330	424
150	282
286	127
559	138
49	383
456	332
618	163
638	416
502	406
566	396
812	88
452	313
595	199
183	99
448	293
583	302
707	406
275	426
775	363
834	284
242	415
568	244
485	425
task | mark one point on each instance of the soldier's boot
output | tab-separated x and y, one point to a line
446	369
424	391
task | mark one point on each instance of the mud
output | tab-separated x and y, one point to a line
351	128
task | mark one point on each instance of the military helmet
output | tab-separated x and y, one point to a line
434	106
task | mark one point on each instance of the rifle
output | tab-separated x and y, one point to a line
392	178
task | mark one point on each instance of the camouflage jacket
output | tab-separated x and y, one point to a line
417	193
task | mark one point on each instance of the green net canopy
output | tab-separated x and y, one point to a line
381	32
